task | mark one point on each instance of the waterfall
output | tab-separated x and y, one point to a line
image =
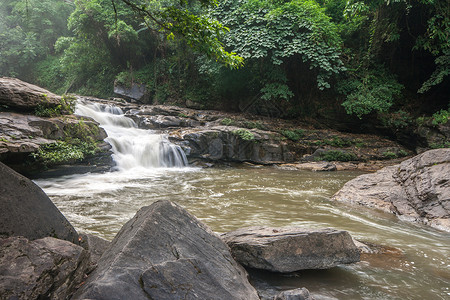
133	147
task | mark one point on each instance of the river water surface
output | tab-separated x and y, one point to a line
233	197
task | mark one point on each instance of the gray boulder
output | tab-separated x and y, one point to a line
296	294
416	190
229	143
166	253
15	93
134	92
46	268
95	246
289	249
25	210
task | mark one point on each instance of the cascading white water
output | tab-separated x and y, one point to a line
133	147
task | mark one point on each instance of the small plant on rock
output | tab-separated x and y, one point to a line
244	134
227	122
293	135
337	155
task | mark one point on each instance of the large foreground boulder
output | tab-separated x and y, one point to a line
46	268
417	190
166	253
289	249
25	210
17	94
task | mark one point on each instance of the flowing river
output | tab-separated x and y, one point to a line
150	168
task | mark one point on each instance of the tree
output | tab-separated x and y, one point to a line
28	31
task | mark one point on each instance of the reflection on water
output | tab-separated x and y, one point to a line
230	198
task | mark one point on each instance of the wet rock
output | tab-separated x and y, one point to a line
46	268
311	166
230	143
25	210
22	135
145	259
417	190
17	94
296	294
289	249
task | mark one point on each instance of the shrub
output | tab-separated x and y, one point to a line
389	155
63	152
244	134
253	124
336	155
440	117
293	135
227	122
66	106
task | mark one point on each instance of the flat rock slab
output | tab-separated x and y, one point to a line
25	210
22	95
46	268
289	249
166	253
418	189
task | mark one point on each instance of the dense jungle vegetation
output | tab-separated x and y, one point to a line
374	60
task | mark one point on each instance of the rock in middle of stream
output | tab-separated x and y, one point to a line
166	253
289	249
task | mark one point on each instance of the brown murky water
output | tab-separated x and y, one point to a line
229	198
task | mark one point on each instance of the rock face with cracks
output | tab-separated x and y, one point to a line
21	95
166	253
289	249
417	190
46	268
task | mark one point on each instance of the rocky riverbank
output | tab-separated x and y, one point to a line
163	252
213	137
417	190
39	131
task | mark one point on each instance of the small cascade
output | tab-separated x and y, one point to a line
133	147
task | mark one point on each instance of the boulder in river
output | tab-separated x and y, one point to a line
418	189
25	210
17	94
166	253
296	294
46	268
289	249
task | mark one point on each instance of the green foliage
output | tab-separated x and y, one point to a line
337	141
28	31
276	31
227	122
374	91
66	106
244	134
444	144
440	73
199	31
337	155
440	117
390	155
398	119
64	152
293	135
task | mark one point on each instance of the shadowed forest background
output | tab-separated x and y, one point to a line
368	66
